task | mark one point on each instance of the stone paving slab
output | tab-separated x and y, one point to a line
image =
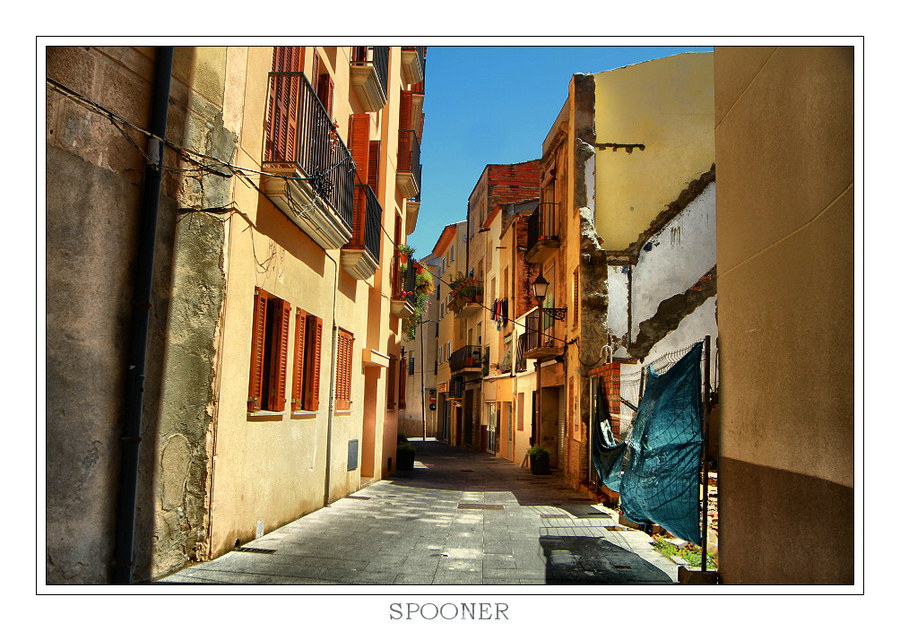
517	529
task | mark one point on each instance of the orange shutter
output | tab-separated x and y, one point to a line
284	93
359	145
299	363
257	350
313	362
402	386
279	358
325	90
392	387
374	154
343	370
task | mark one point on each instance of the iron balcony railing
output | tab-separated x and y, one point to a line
403	283
369	236
409	155
465	357
542	334
377	57
543	223
300	133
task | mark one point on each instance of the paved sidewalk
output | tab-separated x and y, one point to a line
461	517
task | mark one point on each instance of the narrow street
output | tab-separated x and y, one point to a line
461	517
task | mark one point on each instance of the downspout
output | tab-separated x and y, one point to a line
123	560
333	371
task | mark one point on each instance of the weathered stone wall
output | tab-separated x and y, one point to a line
93	192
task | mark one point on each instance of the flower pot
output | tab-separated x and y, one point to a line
406	459
540	463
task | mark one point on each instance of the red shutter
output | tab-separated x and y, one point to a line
374	155
313	362
343	370
284	92
257	350
279	363
326	92
392	387
359	145
402	385
299	357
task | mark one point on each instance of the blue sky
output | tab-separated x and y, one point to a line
495	105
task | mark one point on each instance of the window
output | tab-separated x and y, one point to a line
412	363
452	253
441	310
269	356
343	370
269	352
440	358
307	361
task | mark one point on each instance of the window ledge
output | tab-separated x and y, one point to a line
265	415
302	414
343	412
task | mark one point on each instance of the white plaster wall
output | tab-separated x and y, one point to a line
675	258
617	281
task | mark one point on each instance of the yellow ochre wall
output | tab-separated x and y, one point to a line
667	105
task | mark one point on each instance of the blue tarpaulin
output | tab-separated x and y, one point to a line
661	476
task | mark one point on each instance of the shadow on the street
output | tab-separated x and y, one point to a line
588	560
439	466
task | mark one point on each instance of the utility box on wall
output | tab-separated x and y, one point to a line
352	454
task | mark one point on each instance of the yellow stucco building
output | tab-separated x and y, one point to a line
271	384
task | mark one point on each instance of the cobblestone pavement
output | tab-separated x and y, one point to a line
461	517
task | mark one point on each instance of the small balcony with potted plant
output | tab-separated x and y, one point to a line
466	295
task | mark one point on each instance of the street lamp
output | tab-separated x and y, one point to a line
539	287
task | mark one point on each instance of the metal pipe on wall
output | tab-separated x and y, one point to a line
123	556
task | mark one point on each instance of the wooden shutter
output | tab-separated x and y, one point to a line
313	362
391	385
279	358
325	90
374	155
401	388
284	94
359	145
576	289
299	360
257	350
343	370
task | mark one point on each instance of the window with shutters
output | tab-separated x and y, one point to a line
307	362
343	370
269	354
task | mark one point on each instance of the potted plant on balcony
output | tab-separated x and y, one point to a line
464	289
540	460
404	252
424	286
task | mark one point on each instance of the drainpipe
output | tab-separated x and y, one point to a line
333	376
123	560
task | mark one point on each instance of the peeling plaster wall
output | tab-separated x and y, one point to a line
674	258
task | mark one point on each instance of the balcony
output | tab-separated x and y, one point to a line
368	75
544	339
403	289
521	360
311	174
359	257
543	232
409	165
466	359
412	64
412	212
